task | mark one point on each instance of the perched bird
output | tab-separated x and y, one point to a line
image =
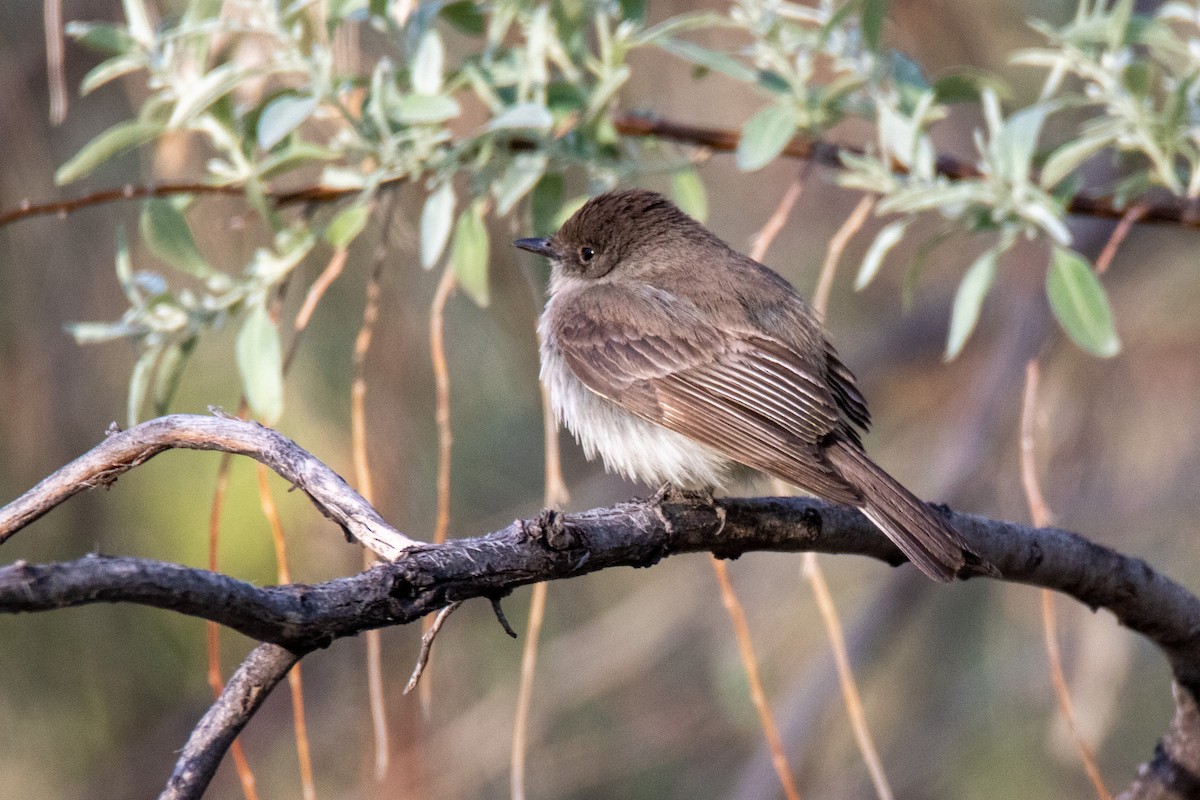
678	359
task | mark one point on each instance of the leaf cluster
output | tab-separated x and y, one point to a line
497	108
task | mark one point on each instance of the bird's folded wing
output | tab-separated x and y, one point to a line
745	395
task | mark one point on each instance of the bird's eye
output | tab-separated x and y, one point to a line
586	254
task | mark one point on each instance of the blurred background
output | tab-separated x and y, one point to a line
640	693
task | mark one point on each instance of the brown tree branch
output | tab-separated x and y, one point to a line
1175	211
243	695
296	618
124	450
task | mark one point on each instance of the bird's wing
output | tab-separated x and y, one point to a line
745	395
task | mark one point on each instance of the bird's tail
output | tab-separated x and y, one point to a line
928	540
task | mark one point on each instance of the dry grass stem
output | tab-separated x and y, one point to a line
441	377
554	495
1041	516
295	682
529	658
365	484
437	350
741	632
213	639
766	235
811	569
56	78
1131	218
837	246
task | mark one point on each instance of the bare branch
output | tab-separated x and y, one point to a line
122	451
244	693
294	619
637	534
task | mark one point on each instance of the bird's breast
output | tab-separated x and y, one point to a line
635	448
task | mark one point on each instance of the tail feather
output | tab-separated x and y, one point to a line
925	538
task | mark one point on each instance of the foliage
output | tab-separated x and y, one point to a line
489	107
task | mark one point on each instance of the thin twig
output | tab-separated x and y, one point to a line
766	719
56	79
554	495
366	486
1182	212
810	566
213	630
766	235
337	263
1040	513
811	570
295	682
837	246
529	657
441	377
427	645
1135	213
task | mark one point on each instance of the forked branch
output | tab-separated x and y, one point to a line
292	620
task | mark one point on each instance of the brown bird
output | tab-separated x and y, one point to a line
679	360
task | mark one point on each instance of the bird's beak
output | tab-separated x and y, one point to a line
543	247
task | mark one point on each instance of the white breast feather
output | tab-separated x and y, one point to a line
630	446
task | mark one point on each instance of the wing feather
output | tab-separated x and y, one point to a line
745	395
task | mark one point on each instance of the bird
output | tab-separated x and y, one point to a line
682	362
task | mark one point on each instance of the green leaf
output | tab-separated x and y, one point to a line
1080	303
260	362
521	175
428	64
709	59
887	238
282	116
170	373
111	69
424	109
465	16
139	383
166	232
118	138
124	267
524	116
765	136
347	225
97	332
545	202
688	192
101	37
270	265
1063	161
633	10
203	93
873	14
437	217
469	254
1017	141
975	285
139	22
965	86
